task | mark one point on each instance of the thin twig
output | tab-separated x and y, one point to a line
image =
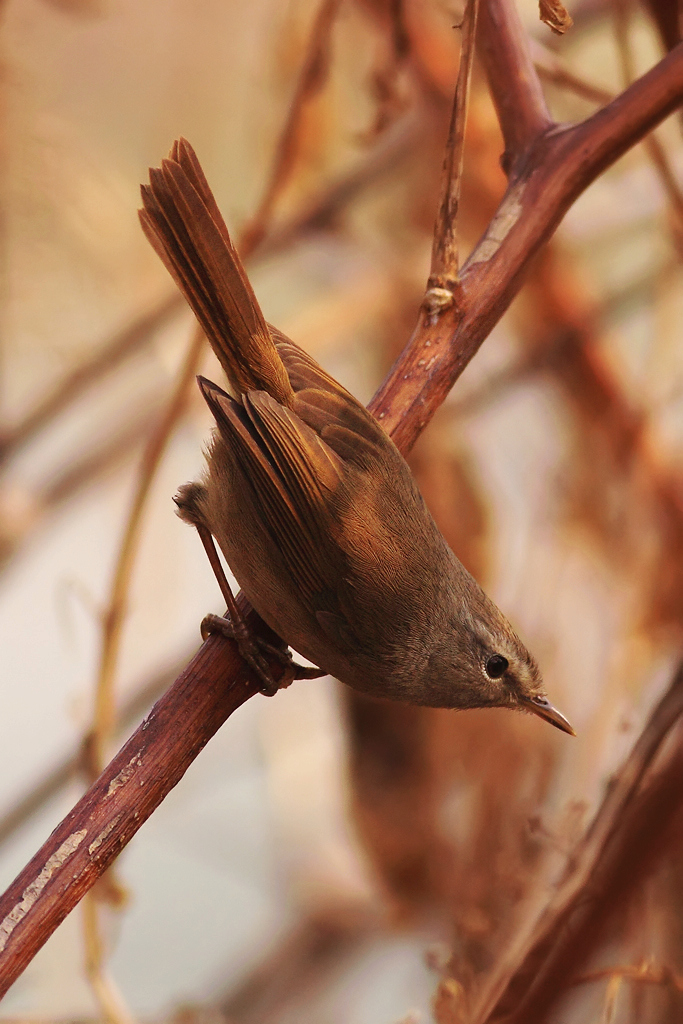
109	999
445	264
311	79
654	148
216	682
107	357
553	69
62	774
35	507
646	973
312	948
115	613
321	210
667	176
627	59
493	387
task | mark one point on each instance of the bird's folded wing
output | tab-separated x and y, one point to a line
293	475
343	423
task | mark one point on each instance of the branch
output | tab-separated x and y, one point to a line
516	90
629	829
35	508
214	684
65	771
559	165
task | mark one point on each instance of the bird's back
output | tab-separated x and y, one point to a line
312	504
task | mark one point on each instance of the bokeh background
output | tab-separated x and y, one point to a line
329	858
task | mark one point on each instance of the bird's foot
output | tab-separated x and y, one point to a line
253	648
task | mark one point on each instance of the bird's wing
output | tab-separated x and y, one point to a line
377	509
343	423
294	477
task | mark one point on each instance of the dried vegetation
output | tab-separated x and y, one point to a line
547	871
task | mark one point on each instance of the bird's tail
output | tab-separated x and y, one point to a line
183	223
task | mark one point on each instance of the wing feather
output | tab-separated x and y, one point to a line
291	475
330	410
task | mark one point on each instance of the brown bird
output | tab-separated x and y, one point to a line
314	507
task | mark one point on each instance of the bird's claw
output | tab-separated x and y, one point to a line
252	648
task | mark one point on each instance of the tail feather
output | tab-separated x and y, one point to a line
183	223
183	154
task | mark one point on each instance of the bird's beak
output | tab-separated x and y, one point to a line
544	709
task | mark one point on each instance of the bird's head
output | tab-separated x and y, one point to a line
483	663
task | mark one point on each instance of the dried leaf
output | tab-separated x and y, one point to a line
555	15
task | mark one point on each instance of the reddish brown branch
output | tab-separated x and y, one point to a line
630	828
147	767
559	165
65	771
558	168
666	14
515	87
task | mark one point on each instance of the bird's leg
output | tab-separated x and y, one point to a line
234	627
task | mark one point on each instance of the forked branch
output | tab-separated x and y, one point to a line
514	83
560	165
551	167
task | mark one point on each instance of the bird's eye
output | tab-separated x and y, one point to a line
496	666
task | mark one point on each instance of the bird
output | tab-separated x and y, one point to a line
313	506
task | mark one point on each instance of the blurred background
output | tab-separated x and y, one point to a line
328	858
